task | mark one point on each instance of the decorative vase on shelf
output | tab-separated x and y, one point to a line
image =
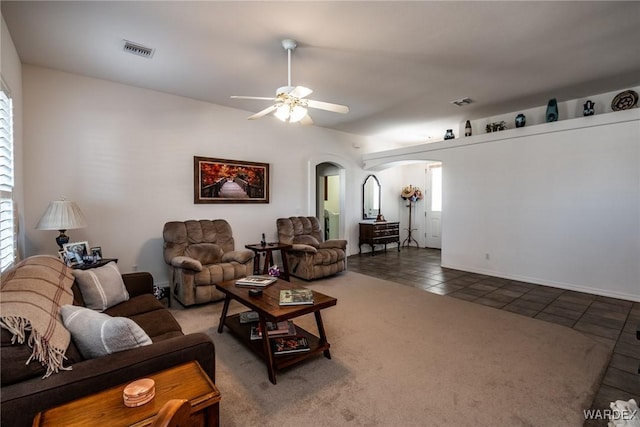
449	134
467	128
552	110
521	120
589	108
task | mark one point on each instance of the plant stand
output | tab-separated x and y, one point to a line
410	238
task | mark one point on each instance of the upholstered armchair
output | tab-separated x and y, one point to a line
201	254
310	257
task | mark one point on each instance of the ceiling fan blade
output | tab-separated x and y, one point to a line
300	92
253	97
263	112
336	108
306	120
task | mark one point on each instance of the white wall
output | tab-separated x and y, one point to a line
555	204
125	155
11	72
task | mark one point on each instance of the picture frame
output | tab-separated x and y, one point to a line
229	181
75	252
96	252
63	256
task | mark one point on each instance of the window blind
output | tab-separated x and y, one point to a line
7	213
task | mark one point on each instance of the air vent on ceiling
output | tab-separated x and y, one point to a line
138	49
462	101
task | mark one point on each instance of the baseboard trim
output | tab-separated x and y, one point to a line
559	285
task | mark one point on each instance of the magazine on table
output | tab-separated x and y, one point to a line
249	317
256	281
296	296
286	345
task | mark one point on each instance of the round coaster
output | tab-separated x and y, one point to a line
139	392
139	401
139	388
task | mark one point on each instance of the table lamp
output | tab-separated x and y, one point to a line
62	215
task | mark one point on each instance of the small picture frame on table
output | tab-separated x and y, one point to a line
63	256
96	252
75	252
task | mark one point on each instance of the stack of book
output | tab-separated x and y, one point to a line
285	328
296	296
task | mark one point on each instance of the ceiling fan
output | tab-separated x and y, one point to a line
290	103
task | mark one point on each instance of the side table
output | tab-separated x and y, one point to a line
187	381
103	261
268	257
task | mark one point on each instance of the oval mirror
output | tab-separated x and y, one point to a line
371	198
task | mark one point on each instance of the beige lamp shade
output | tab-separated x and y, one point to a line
62	215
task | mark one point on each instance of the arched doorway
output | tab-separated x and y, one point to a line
329	210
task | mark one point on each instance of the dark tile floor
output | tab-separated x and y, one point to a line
609	320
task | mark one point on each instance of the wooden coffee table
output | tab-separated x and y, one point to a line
268	309
186	381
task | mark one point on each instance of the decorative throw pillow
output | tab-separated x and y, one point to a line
98	334
305	239
101	287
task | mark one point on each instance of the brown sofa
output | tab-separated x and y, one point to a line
24	392
310	257
199	255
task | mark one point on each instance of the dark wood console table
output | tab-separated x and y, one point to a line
379	233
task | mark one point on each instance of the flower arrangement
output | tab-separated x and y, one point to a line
411	193
274	271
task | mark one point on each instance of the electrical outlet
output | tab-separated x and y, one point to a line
487	256
134	267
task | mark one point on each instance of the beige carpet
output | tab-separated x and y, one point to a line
406	357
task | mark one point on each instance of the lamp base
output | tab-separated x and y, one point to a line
62	238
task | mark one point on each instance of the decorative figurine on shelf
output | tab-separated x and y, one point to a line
588	108
467	128
449	134
274	271
263	242
496	126
521	120
552	110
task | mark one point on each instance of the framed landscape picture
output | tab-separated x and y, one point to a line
229	181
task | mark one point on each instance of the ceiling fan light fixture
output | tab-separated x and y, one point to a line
282	112
297	113
290	101
289	113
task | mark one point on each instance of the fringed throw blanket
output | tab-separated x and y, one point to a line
31	295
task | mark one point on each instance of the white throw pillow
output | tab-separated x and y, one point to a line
98	334
101	287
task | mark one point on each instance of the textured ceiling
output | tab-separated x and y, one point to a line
397	65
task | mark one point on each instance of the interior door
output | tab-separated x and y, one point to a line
328	199
433	212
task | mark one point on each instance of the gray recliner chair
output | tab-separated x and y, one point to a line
310	257
201	254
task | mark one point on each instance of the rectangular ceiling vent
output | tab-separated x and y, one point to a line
462	101
138	49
